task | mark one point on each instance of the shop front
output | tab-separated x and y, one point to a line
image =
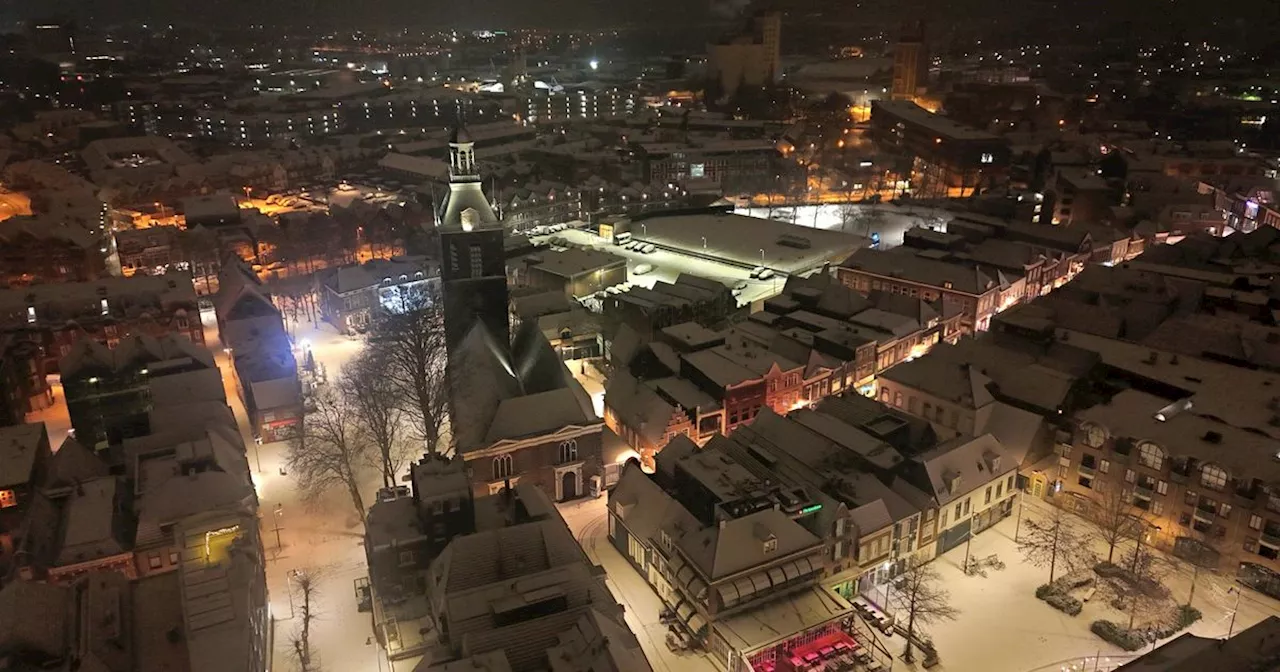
807	631
954	536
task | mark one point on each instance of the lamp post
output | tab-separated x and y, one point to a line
762	256
288	589
279	511
704	242
1231	627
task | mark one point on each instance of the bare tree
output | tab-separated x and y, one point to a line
411	344
1114	518
1202	551
1141	589
920	594
1054	543
329	449
303	591
365	385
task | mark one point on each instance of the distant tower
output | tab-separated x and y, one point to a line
910	62
473	273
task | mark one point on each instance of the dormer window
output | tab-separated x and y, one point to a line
771	544
31	314
105	308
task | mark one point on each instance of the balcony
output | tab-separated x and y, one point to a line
1087	471
1206	513
1272	540
1144	491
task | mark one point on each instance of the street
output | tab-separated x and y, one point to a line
323	537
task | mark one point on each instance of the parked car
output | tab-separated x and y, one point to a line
766	274
755	272
642	269
740	285
649	248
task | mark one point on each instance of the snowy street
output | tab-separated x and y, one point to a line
324	536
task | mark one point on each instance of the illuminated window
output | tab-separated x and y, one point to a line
1150	455
477	268
31	314
8	499
988	158
1214	477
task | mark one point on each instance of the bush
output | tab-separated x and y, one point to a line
1117	635
1109	570
1059	600
1187	615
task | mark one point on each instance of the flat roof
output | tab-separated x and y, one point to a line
572	262
936	123
748	241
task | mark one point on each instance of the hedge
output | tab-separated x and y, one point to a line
1059	600
1117	635
1136	639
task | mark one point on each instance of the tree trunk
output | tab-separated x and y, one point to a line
1195	576
911	628
1111	552
356	499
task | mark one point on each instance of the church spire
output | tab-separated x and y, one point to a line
462	157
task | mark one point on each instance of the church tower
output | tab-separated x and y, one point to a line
473	270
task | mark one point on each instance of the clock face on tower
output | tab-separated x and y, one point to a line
1094	436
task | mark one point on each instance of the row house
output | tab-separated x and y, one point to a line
538	204
43	249
648	414
973	292
56	316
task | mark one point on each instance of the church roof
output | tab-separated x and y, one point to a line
526	393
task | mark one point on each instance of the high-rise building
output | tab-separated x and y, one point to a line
910	62
750	57
473	273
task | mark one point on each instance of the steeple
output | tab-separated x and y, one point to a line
462	157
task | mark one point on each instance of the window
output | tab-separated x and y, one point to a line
999	489
477	262
958	514
1213	477
1104	466
1162	487
454	504
173	558
501	467
153	560
1129	476
8	498
987	157
31	314
1150	455
105	308
966	506
1225	510
988	497
771	544
568	450
1009	484
1157	507
1086	482
1255	522
406	558
437	507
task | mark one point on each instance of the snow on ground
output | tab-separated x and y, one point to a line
1002	626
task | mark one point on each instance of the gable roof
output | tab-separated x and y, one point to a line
737	545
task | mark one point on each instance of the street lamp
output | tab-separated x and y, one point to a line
644	230
704	242
278	513
1232	626
762	256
